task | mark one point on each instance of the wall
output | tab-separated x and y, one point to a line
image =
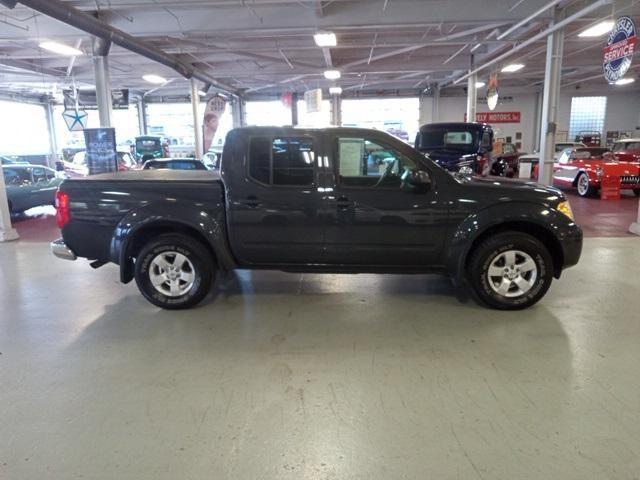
623	112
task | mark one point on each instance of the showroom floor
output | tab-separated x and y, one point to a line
311	376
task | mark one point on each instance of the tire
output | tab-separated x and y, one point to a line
512	288
584	189
185	265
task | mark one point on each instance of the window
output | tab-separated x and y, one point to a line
38	175
587	115
282	161
363	163
16	176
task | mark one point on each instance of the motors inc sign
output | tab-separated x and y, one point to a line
498	117
619	50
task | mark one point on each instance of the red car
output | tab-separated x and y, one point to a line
627	150
584	168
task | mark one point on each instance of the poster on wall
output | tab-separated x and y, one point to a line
101	154
620	48
212	113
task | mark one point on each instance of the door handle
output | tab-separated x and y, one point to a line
343	203
252	201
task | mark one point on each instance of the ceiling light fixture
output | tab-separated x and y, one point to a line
60	48
514	67
335	90
598	29
480	84
332	74
152	78
325	39
625	81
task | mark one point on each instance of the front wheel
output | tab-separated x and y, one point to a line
174	271
584	188
510	271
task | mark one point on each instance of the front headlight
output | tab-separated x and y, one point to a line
564	207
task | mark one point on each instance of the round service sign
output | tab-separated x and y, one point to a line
620	48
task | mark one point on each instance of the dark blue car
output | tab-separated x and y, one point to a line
458	146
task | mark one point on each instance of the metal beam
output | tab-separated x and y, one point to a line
535	38
526	20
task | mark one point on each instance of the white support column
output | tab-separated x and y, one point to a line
635	226
238	112
435	105
472	94
336	110
197	126
142	116
103	84
550	100
7	232
52	159
294	109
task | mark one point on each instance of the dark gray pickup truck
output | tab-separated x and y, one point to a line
333	200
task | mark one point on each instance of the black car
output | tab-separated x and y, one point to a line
334	200
458	146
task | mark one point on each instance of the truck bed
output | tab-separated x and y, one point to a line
154	175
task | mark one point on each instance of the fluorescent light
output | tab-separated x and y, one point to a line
625	81
325	39
332	74
514	67
60	48
598	29
480	84
202	93
335	90
157	79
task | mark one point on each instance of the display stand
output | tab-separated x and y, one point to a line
7	232
610	188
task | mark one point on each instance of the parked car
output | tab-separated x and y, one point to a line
306	201
505	162
150	146
584	168
174	164
77	167
30	186
458	146
627	150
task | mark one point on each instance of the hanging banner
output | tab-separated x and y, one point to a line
212	114
86	99
620	48
492	91
76	120
101	154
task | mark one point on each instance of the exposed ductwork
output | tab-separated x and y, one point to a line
93	26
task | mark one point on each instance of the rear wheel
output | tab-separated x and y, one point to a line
174	271
584	189
510	271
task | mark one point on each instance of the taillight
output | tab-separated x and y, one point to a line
62	209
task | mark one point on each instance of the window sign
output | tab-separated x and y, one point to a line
351	155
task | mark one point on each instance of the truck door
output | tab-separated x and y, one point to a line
373	218
275	206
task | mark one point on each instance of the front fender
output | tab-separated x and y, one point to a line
511	215
210	225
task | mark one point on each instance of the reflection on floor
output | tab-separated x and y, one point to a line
36	224
289	376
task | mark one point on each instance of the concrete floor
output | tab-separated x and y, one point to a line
284	376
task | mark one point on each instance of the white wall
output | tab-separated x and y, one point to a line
623	112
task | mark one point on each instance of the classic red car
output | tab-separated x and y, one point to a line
627	150
506	160
584	168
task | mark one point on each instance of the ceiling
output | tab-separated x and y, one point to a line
266	47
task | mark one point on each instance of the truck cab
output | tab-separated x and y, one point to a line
458	146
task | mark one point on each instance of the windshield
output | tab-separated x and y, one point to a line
148	145
439	138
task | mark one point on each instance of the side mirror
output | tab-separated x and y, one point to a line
419	180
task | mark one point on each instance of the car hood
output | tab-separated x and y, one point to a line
507	189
